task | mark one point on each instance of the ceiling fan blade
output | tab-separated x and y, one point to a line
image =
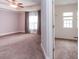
8	1
11	1
21	6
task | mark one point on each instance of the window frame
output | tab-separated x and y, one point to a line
67	19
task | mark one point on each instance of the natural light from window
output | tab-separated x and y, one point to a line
33	21
68	19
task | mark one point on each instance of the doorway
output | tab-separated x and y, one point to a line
66	31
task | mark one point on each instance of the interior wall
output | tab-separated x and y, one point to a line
46	28
22	21
8	22
61	32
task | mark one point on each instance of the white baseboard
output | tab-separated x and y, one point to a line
46	57
66	38
3	34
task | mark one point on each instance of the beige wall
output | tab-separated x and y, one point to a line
11	21
61	32
8	21
22	21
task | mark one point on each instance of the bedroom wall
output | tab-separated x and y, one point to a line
8	22
22	21
61	32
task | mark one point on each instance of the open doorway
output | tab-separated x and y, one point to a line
66	30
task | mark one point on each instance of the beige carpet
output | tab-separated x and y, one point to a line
21	46
27	46
65	49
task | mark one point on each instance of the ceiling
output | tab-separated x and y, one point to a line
33	4
64	2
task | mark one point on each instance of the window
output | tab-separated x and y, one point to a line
33	21
68	19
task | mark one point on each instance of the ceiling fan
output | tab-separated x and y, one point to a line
15	4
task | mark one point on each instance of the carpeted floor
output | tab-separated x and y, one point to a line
66	49
21	46
27	46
